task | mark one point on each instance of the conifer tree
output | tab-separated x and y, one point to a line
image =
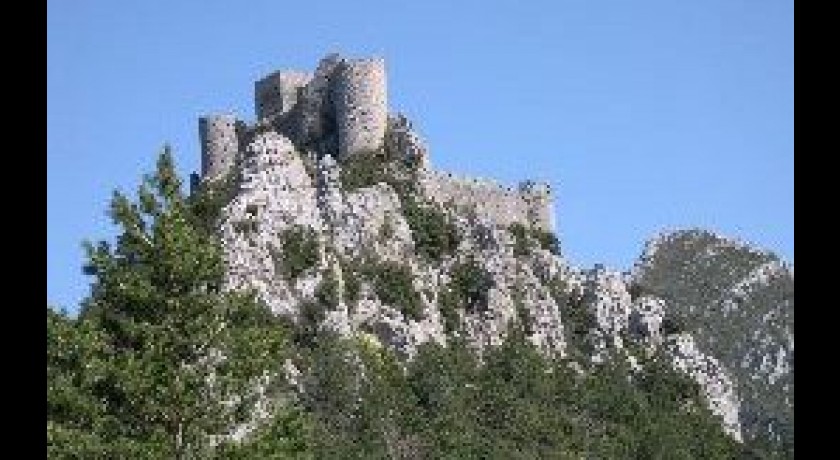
181	361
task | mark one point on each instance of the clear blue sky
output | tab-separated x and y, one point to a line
643	115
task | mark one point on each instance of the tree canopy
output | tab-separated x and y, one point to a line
162	360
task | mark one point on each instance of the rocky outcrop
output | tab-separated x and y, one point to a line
608	299
715	383
720	310
276	194
645	321
738	304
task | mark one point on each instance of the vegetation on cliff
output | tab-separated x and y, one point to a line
162	363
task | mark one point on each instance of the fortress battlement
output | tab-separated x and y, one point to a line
341	109
501	204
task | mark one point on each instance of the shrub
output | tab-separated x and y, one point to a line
435	236
299	252
522	312
209	197
393	285
386	231
352	285
637	290
363	169
672	325
521	247
448	304
468	288
559	291
246	226
547	240
327	292
577	319
312	314
522	236
370	167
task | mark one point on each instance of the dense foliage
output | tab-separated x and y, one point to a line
434	234
525	238
701	275
352	284
298	254
394	286
467	290
159	360
577	319
366	169
517	405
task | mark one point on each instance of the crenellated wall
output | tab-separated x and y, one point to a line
528	205
361	105
219	136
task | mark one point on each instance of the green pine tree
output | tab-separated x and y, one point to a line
161	356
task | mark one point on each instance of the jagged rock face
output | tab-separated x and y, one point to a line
735	302
515	284
545	314
401	137
606	294
738	304
714	381
607	297
645	321
277	194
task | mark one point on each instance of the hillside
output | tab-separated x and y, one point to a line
426	315
738	303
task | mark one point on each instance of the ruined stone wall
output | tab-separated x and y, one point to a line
342	109
277	93
502	205
219	136
401	139
538	201
311	123
529	205
361	105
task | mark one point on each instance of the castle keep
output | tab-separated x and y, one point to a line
342	109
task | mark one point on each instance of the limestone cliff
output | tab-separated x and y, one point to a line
374	241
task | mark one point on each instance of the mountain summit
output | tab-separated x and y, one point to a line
339	220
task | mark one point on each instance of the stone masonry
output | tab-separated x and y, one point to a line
220	144
342	109
278	93
289	166
361	105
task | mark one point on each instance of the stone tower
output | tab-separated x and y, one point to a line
219	136
537	198
277	93
361	105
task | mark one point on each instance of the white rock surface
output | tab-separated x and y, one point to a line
716	384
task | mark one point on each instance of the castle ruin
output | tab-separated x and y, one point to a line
342	109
